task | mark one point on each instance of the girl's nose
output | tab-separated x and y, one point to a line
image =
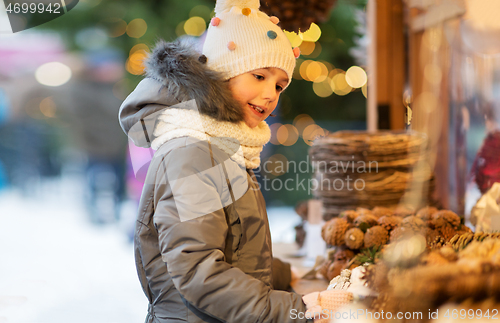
269	92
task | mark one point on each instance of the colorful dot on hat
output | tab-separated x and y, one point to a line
296	52
275	20
231	45
215	21
246	11
272	34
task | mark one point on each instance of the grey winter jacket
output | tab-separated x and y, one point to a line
211	268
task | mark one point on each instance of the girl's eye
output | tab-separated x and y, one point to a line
258	77
279	88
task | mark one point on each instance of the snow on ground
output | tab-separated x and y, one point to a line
57	267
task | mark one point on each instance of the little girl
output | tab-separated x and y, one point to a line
202	240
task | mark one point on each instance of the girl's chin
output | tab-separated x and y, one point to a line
252	121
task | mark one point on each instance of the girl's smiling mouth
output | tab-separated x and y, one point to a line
257	108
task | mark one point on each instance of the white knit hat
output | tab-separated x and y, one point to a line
241	38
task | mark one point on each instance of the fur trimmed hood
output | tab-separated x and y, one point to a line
176	72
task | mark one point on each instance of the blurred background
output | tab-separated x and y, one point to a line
68	191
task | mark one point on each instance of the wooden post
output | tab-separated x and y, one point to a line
390	73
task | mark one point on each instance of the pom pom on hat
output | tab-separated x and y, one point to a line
296	52
223	5
260	42
272	34
215	21
246	11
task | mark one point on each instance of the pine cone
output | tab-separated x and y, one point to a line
463	229
376	276
413	223
430	236
426	213
341	258
401	232
349	215
438	243
389	222
323	269
445	218
298	15
447	232
380	211
365	221
376	236
333	231
363	211
354	238
404	211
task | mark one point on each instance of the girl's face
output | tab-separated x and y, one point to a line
258	92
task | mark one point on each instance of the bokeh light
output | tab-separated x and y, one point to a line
322	89
312	34
179	30
312	132
139	47
328	65
364	90
356	77
339	84
276	165
195	26
274	133
137	28
319	70
301	122
135	62
294	38
303	69
306	48
317	50
334	72
287	135
53	74
48	107
313	71
116	26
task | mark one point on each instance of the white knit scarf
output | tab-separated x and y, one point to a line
229	137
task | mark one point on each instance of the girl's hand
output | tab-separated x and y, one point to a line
312	304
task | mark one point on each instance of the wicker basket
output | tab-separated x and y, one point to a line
360	169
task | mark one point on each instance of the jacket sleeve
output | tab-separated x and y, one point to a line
192	246
282	274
